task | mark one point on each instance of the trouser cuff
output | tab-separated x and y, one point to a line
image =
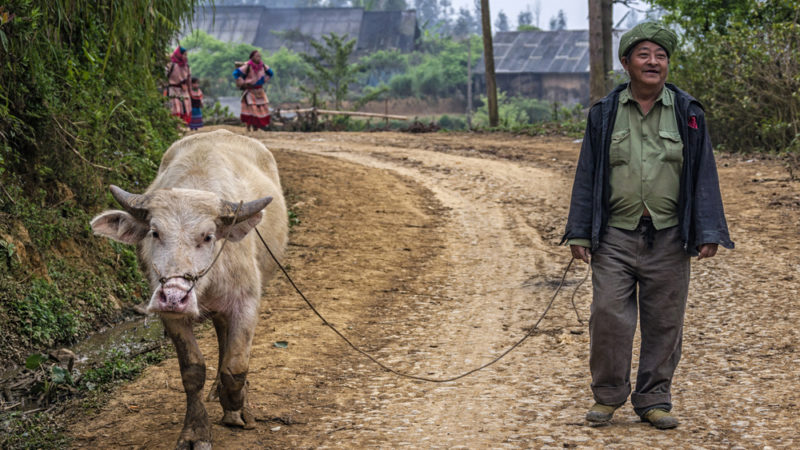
611	395
645	402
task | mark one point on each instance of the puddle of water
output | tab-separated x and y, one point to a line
130	338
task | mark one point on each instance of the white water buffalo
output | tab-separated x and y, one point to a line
179	224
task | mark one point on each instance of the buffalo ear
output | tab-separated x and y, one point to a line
238	231
119	226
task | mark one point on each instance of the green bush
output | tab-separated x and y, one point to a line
452	123
742	61
430	84
402	86
44	317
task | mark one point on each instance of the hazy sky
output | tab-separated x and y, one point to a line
576	11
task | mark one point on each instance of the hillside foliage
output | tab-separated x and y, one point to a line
741	59
80	108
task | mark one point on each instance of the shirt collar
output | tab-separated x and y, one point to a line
665	97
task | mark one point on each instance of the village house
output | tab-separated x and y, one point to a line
293	28
547	65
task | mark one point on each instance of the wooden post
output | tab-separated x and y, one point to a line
608	42
597	85
469	82
488	57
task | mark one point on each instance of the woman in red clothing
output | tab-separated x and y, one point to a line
179	79
251	77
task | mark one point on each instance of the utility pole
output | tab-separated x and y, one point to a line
488	58
469	82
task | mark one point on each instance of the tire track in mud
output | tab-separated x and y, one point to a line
493	249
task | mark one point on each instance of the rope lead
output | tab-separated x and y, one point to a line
419	378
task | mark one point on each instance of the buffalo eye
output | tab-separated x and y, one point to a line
154	234
208	238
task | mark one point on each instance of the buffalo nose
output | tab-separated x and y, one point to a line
173	298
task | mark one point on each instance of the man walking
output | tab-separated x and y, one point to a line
646	197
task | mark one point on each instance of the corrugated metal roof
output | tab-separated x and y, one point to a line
273	28
564	51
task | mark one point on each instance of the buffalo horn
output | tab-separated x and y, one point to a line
132	203
228	210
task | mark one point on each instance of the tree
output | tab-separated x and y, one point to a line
600	48
488	59
465	24
742	60
331	72
501	24
427	12
559	22
537	12
698	17
524	18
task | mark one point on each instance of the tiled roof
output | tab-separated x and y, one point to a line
564	51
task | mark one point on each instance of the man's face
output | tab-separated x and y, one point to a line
647	64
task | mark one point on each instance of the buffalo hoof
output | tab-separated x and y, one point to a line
242	418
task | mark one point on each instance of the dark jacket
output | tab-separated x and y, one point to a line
700	214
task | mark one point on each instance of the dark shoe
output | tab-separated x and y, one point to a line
600	413
660	418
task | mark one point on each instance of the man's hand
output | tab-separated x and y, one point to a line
706	251
582	253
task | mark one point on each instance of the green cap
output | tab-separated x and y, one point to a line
648	31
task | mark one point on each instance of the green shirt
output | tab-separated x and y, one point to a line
646	158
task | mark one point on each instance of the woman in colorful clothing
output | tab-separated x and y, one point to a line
197	105
250	77
179	77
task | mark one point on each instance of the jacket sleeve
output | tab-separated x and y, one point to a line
579	220
708	215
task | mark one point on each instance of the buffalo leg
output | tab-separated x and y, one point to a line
233	371
196	432
221	327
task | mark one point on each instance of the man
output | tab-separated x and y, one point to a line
645	198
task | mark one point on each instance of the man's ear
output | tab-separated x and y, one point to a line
237	232
119	226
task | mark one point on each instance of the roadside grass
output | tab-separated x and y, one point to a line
63	394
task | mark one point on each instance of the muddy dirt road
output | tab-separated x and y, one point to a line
436	252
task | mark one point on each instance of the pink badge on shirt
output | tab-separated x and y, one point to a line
693	122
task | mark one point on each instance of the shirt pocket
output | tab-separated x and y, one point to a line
673	146
620	151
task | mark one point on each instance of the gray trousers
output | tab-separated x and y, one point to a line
622	263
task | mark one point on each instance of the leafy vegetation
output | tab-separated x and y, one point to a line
79	108
742	60
31	431
331	73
